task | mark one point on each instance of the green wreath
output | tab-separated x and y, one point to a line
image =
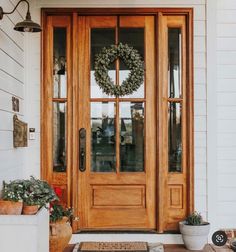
131	59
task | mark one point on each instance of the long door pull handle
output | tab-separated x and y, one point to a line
82	149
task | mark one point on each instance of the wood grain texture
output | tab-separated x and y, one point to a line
179	179
58	178
161	175
184	180
156	180
96	208
74	174
83	115
120	196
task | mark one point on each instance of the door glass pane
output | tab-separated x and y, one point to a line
174	137
59	137
133	37
100	38
103	150
174	69
132	137
59	62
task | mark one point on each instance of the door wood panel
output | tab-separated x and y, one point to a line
120	196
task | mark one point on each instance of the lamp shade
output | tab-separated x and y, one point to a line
27	26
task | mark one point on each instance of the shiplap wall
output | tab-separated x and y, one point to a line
226	105
199	6
12	73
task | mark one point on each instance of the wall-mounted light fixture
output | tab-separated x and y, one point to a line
25	26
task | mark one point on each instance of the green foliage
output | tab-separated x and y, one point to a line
194	219
32	191
57	212
13	191
38	192
131	59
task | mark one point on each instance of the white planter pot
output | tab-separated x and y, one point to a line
23	233
194	237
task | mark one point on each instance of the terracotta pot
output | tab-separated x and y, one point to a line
60	235
30	210
10	207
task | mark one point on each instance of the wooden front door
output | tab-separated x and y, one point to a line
122	163
117	189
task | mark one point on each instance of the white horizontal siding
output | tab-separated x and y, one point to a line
11	47
226	16
11	85
226	4
226	98
12	72
8	161
10	66
226	101
226	112
226	30
227	139
6	28
226	167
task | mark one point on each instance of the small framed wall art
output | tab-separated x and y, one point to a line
19	133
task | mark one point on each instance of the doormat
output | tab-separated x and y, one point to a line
118	247
113	246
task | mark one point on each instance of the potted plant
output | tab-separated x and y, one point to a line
194	231
60	228
34	193
37	194
11	202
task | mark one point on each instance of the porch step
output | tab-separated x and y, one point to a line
175	248
127	237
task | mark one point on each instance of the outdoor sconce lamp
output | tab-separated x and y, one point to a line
27	25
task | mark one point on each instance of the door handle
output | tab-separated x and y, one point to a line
82	149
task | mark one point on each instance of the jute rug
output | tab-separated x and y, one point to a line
118	247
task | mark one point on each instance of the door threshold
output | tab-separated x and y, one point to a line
134	231
92	231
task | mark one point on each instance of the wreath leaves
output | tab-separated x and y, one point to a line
131	59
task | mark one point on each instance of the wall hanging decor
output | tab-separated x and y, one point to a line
19	133
132	60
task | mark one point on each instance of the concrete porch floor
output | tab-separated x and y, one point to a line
178	248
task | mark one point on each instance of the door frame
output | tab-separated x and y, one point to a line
46	157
